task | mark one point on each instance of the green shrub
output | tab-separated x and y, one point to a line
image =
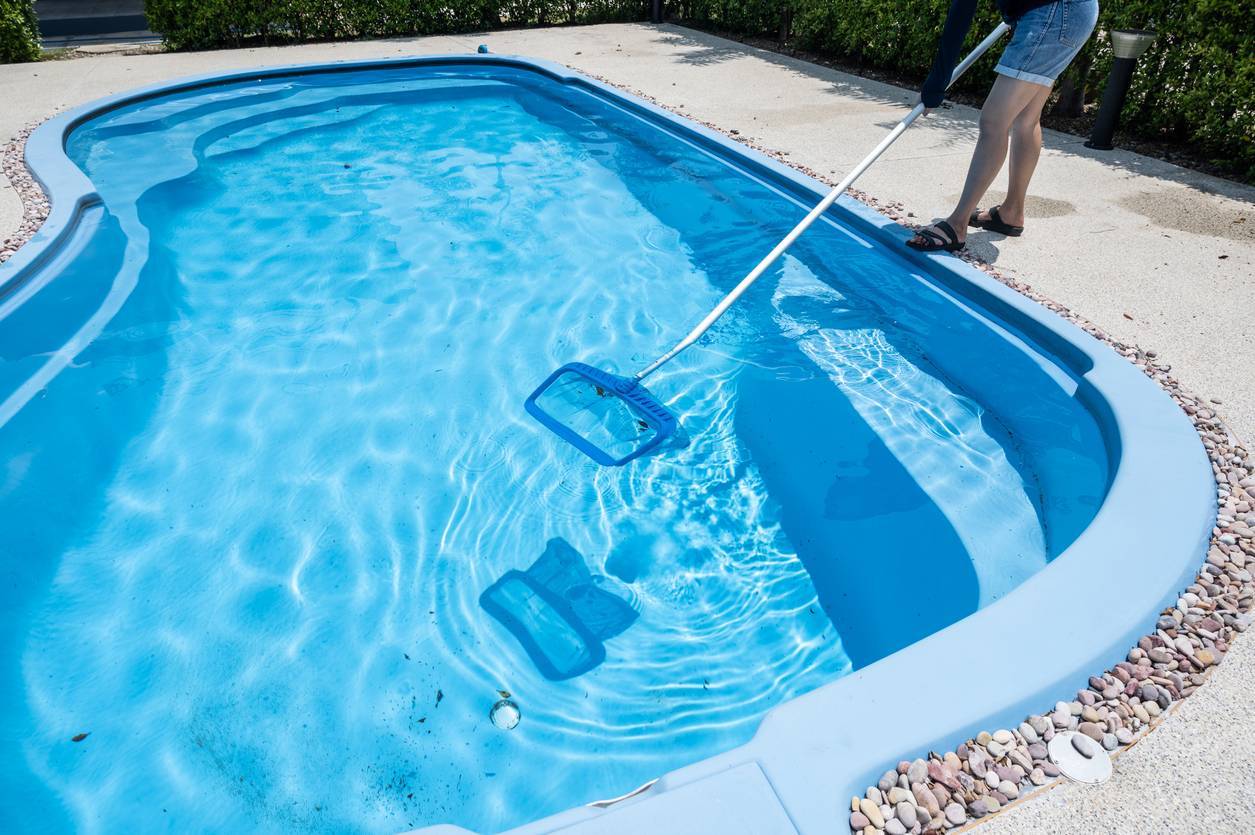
19	31
1193	87
204	24
1196	84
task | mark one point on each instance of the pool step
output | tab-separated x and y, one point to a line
738	801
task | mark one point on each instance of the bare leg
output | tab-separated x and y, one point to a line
1025	150
1006	101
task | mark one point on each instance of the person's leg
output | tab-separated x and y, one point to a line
1006	101
1025	151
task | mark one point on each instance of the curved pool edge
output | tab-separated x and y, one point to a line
1016	656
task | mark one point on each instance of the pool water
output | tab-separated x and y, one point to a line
265	450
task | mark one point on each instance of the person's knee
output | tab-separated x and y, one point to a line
994	123
1027	127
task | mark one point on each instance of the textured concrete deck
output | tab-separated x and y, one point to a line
1151	252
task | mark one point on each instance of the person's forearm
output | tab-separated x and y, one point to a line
958	22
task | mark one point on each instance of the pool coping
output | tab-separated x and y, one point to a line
1042	639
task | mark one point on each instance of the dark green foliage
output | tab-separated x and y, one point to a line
19	31
1196	84
1193	87
204	24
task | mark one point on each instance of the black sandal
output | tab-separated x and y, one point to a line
995	223
935	241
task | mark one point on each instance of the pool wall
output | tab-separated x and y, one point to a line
1040	642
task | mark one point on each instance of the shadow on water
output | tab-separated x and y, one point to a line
841	491
887	564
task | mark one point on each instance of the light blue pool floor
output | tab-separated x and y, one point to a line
257	510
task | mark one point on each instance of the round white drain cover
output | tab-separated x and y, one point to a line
1079	758
505	714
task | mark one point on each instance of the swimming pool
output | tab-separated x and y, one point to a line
262	418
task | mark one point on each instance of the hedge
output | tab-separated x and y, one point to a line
19	31
1194	86
204	24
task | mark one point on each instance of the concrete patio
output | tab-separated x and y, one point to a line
1154	254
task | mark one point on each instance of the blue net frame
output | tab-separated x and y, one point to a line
656	423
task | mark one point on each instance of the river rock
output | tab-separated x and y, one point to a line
955	814
872	812
926	800
942	774
1084	745
906	813
1091	730
898	795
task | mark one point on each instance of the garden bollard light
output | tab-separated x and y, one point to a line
786	24
1128	45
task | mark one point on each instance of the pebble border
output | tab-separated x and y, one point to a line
35	204
989	772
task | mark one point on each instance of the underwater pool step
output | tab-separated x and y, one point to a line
736	801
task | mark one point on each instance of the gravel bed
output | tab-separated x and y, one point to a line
991	771
34	203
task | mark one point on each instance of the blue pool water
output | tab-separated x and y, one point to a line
264	450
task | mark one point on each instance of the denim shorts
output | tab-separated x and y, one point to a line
1046	39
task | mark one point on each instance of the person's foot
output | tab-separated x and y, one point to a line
938	237
999	219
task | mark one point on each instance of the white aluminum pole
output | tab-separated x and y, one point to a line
822	207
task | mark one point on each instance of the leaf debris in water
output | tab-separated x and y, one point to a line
439	696
505	694
80	737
